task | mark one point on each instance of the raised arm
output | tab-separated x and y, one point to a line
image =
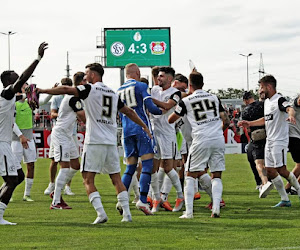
28	72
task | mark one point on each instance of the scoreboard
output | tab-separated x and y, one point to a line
146	47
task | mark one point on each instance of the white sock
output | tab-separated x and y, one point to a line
95	200
2	209
28	185
196	185
150	192
59	184
166	188
217	190
294	182
71	174
176	182
135	185
160	176
123	200
154	185
205	182
189	194
278	183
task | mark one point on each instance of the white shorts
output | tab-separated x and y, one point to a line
64	147
76	143
51	150
275	156
28	155
100	158
183	150
166	146
8	162
208	152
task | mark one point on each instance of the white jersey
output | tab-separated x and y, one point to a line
160	123
186	129
203	112
67	114
277	128
7	111
101	104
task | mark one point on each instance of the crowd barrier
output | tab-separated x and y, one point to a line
43	139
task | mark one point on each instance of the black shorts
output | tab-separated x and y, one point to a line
257	150
294	148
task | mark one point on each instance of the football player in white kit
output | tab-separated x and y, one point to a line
10	171
166	97
276	113
65	151
100	153
207	118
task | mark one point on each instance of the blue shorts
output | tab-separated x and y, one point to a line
138	145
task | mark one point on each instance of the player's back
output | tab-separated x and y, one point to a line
203	113
66	114
101	107
133	94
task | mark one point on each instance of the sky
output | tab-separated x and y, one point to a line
210	33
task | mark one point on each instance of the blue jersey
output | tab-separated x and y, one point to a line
136	96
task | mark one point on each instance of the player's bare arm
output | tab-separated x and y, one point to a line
28	72
173	118
131	114
60	90
225	119
291	113
81	116
258	122
165	105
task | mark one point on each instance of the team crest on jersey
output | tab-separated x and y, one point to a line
158	48
166	98
272	108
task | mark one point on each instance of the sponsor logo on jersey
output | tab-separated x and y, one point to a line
78	105
117	48
176	98
81	87
286	104
178	109
158	48
268	117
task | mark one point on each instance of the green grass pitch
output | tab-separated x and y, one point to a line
246	221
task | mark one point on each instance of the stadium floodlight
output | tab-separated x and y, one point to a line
250	54
8	34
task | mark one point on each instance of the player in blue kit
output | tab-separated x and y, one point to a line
136	95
